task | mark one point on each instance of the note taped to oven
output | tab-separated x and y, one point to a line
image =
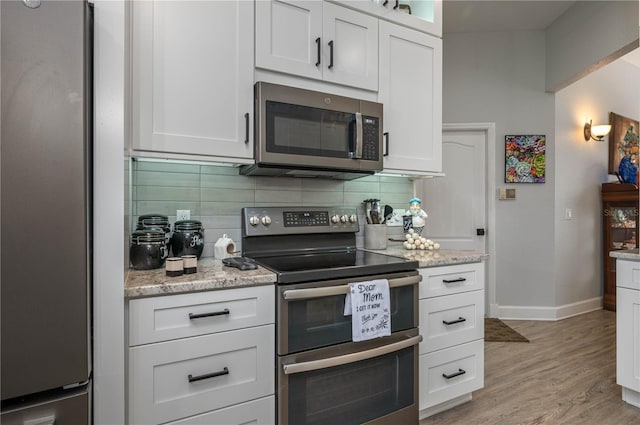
368	304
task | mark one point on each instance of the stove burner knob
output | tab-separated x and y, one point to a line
344	218
254	220
353	218
266	220
335	218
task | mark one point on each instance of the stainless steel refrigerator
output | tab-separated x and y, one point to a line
45	180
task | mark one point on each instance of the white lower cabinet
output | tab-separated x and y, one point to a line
262	411
218	369
628	330
451	363
450	373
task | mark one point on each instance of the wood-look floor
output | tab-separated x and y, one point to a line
566	374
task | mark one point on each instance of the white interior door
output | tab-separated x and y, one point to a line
456	203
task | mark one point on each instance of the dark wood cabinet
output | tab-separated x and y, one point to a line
620	226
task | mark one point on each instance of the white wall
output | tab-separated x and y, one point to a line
587	36
500	77
581	167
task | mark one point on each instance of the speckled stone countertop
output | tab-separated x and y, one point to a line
626	254
440	257
211	275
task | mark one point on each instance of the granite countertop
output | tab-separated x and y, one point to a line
211	275
626	254
436	258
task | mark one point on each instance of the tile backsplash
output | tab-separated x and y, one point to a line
215	195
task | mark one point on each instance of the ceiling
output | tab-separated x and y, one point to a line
507	15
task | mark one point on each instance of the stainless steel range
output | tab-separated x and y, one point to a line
323	377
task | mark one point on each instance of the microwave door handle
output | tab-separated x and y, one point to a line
358	137
292	368
327	291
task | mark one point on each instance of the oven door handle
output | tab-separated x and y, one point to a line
292	368
327	291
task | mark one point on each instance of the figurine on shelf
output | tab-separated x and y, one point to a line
417	214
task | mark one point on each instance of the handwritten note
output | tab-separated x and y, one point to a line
368	303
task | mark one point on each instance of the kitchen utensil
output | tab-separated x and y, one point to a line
388	213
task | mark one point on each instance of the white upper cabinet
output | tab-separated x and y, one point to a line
423	15
411	92
192	79
318	40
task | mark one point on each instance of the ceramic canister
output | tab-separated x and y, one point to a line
148	249
187	238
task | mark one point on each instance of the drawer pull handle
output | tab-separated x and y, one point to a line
453	375
213	313
319	54
460	279
453	322
192	378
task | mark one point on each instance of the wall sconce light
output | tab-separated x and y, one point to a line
595	132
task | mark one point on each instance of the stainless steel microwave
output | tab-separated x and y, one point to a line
304	133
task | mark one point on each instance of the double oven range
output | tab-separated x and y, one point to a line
322	376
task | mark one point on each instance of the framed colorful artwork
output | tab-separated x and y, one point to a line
524	158
623	141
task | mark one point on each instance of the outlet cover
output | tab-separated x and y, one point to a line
183	215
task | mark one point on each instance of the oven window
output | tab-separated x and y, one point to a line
353	393
320	322
300	130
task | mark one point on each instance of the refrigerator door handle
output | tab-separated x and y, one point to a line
47	420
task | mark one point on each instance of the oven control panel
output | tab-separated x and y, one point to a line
262	221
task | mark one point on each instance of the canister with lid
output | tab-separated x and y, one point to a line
187	238
155	221
148	249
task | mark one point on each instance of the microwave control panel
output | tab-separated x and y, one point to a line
370	138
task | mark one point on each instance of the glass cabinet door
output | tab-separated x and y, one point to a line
622	229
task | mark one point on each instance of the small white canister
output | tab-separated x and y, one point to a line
224	247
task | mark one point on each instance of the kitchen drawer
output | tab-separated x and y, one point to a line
166	318
435	388
159	388
628	274
465	314
256	412
446	280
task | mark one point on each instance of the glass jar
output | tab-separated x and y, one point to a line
148	249
187	238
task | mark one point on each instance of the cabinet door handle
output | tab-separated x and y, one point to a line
453	322
318	46
460	279
246	128
396	6
385	2
386	144
453	375
330	54
213	313
192	378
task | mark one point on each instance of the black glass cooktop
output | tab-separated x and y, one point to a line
333	265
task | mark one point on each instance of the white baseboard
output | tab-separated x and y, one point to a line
511	312
631	397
